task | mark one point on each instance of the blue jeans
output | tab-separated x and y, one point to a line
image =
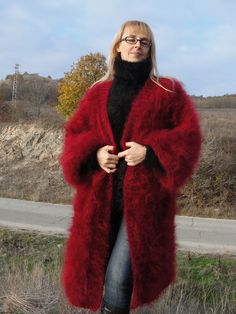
118	278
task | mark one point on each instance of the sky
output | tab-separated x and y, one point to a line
196	40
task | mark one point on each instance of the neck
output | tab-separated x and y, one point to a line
132	72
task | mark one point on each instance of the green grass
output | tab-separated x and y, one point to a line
30	265
29	249
209	269
215	273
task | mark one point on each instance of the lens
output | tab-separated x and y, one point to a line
131	40
144	42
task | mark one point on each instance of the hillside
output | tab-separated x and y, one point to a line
29	163
30	168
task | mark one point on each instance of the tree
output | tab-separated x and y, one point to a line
5	111
37	92
83	74
5	91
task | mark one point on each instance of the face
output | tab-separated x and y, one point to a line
131	51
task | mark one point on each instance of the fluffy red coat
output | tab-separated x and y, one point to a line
168	122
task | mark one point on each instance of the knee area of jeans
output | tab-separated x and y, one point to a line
118	273
116	279
118	286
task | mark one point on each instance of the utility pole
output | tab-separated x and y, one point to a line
14	86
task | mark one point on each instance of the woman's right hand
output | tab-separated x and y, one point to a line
106	160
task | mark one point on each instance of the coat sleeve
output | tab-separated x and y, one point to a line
151	161
177	148
81	141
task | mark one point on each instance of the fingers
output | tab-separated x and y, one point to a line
107	160
127	151
108	170
121	154
111	157
133	156
133	161
129	144
111	166
108	147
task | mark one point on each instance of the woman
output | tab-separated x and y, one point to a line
130	146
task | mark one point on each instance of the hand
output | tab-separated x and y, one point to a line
106	160
135	154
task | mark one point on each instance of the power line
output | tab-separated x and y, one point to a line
14	86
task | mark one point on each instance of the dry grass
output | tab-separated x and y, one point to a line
212	191
30	280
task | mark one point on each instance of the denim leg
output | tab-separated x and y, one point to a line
118	278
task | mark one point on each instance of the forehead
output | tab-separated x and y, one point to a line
136	30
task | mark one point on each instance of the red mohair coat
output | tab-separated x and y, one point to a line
168	123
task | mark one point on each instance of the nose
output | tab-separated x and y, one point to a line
138	44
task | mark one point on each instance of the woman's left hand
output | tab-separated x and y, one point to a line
135	154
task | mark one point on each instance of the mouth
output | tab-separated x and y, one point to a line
136	54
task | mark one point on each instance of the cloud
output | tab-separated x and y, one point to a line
195	40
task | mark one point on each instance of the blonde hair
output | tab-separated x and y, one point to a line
144	27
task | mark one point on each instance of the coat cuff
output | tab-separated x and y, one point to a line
90	164
151	161
77	149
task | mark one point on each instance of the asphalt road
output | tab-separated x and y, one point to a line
203	235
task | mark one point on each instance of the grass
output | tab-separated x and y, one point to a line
30	265
212	193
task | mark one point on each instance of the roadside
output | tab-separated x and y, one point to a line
195	234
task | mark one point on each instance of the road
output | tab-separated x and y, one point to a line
195	234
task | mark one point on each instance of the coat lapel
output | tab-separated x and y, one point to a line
135	113
104	114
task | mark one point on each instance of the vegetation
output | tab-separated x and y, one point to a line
212	192
215	102
5	91
83	74
35	96
30	266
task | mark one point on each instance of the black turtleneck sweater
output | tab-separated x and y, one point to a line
129	77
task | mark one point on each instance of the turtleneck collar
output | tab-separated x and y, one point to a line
132	72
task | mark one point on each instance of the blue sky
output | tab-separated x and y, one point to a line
196	40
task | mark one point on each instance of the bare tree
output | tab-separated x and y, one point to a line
37	91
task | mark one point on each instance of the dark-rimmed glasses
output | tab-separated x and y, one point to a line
144	42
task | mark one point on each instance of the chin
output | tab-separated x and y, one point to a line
136	59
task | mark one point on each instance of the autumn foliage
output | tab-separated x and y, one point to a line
83	74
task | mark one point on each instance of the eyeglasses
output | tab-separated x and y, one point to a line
133	40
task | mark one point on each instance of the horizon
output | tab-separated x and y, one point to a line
50	76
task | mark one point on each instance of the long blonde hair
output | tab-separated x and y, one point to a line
144	27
